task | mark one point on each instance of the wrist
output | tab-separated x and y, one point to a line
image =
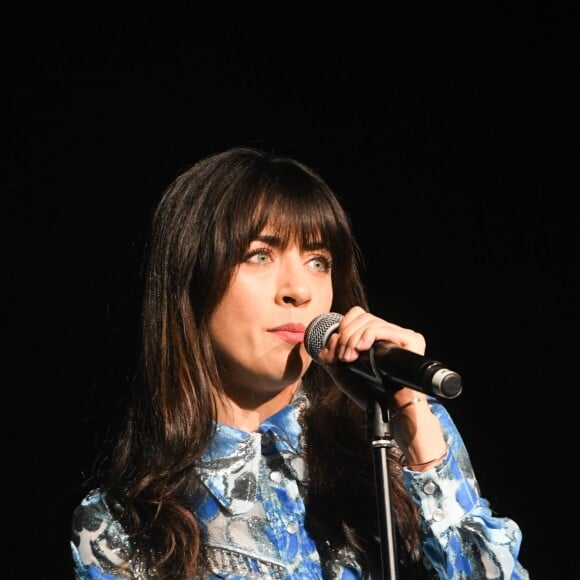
427	464
401	407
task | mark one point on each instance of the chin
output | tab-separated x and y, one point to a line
296	365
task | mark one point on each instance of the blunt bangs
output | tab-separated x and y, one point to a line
296	207
293	204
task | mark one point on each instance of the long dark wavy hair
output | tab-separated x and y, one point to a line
201	229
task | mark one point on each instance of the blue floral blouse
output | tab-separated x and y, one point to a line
252	515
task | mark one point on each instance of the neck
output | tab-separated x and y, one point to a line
247	411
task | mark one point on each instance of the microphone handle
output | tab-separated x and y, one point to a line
412	370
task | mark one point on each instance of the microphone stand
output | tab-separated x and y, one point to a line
381	439
371	395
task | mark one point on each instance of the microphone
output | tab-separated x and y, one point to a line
384	362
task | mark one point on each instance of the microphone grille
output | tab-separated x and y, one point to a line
318	332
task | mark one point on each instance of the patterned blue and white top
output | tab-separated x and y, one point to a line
252	515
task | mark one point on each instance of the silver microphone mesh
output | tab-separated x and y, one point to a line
318	332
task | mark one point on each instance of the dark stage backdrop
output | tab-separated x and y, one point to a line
449	131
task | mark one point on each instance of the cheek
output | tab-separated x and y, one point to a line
324	295
223	333
235	311
224	321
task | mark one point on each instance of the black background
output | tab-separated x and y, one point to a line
449	131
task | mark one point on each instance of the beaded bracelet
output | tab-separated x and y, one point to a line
408	404
438	458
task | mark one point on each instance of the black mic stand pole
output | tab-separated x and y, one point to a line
381	439
371	396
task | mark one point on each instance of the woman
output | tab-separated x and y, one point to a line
239	457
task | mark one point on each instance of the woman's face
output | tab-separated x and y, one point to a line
258	328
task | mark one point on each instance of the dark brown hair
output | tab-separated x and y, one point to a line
200	230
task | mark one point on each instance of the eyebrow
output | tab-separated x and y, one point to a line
276	242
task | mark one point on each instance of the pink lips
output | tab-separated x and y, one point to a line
292	332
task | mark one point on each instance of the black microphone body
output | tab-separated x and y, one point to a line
383	363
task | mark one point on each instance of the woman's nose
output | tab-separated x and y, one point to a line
293	285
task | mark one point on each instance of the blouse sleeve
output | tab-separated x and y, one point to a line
101	550
463	537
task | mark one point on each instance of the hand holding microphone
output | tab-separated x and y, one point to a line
382	362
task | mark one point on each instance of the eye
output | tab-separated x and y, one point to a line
259	256
321	263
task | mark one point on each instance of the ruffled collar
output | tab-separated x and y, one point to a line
230	466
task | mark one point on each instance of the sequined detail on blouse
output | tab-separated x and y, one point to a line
251	510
